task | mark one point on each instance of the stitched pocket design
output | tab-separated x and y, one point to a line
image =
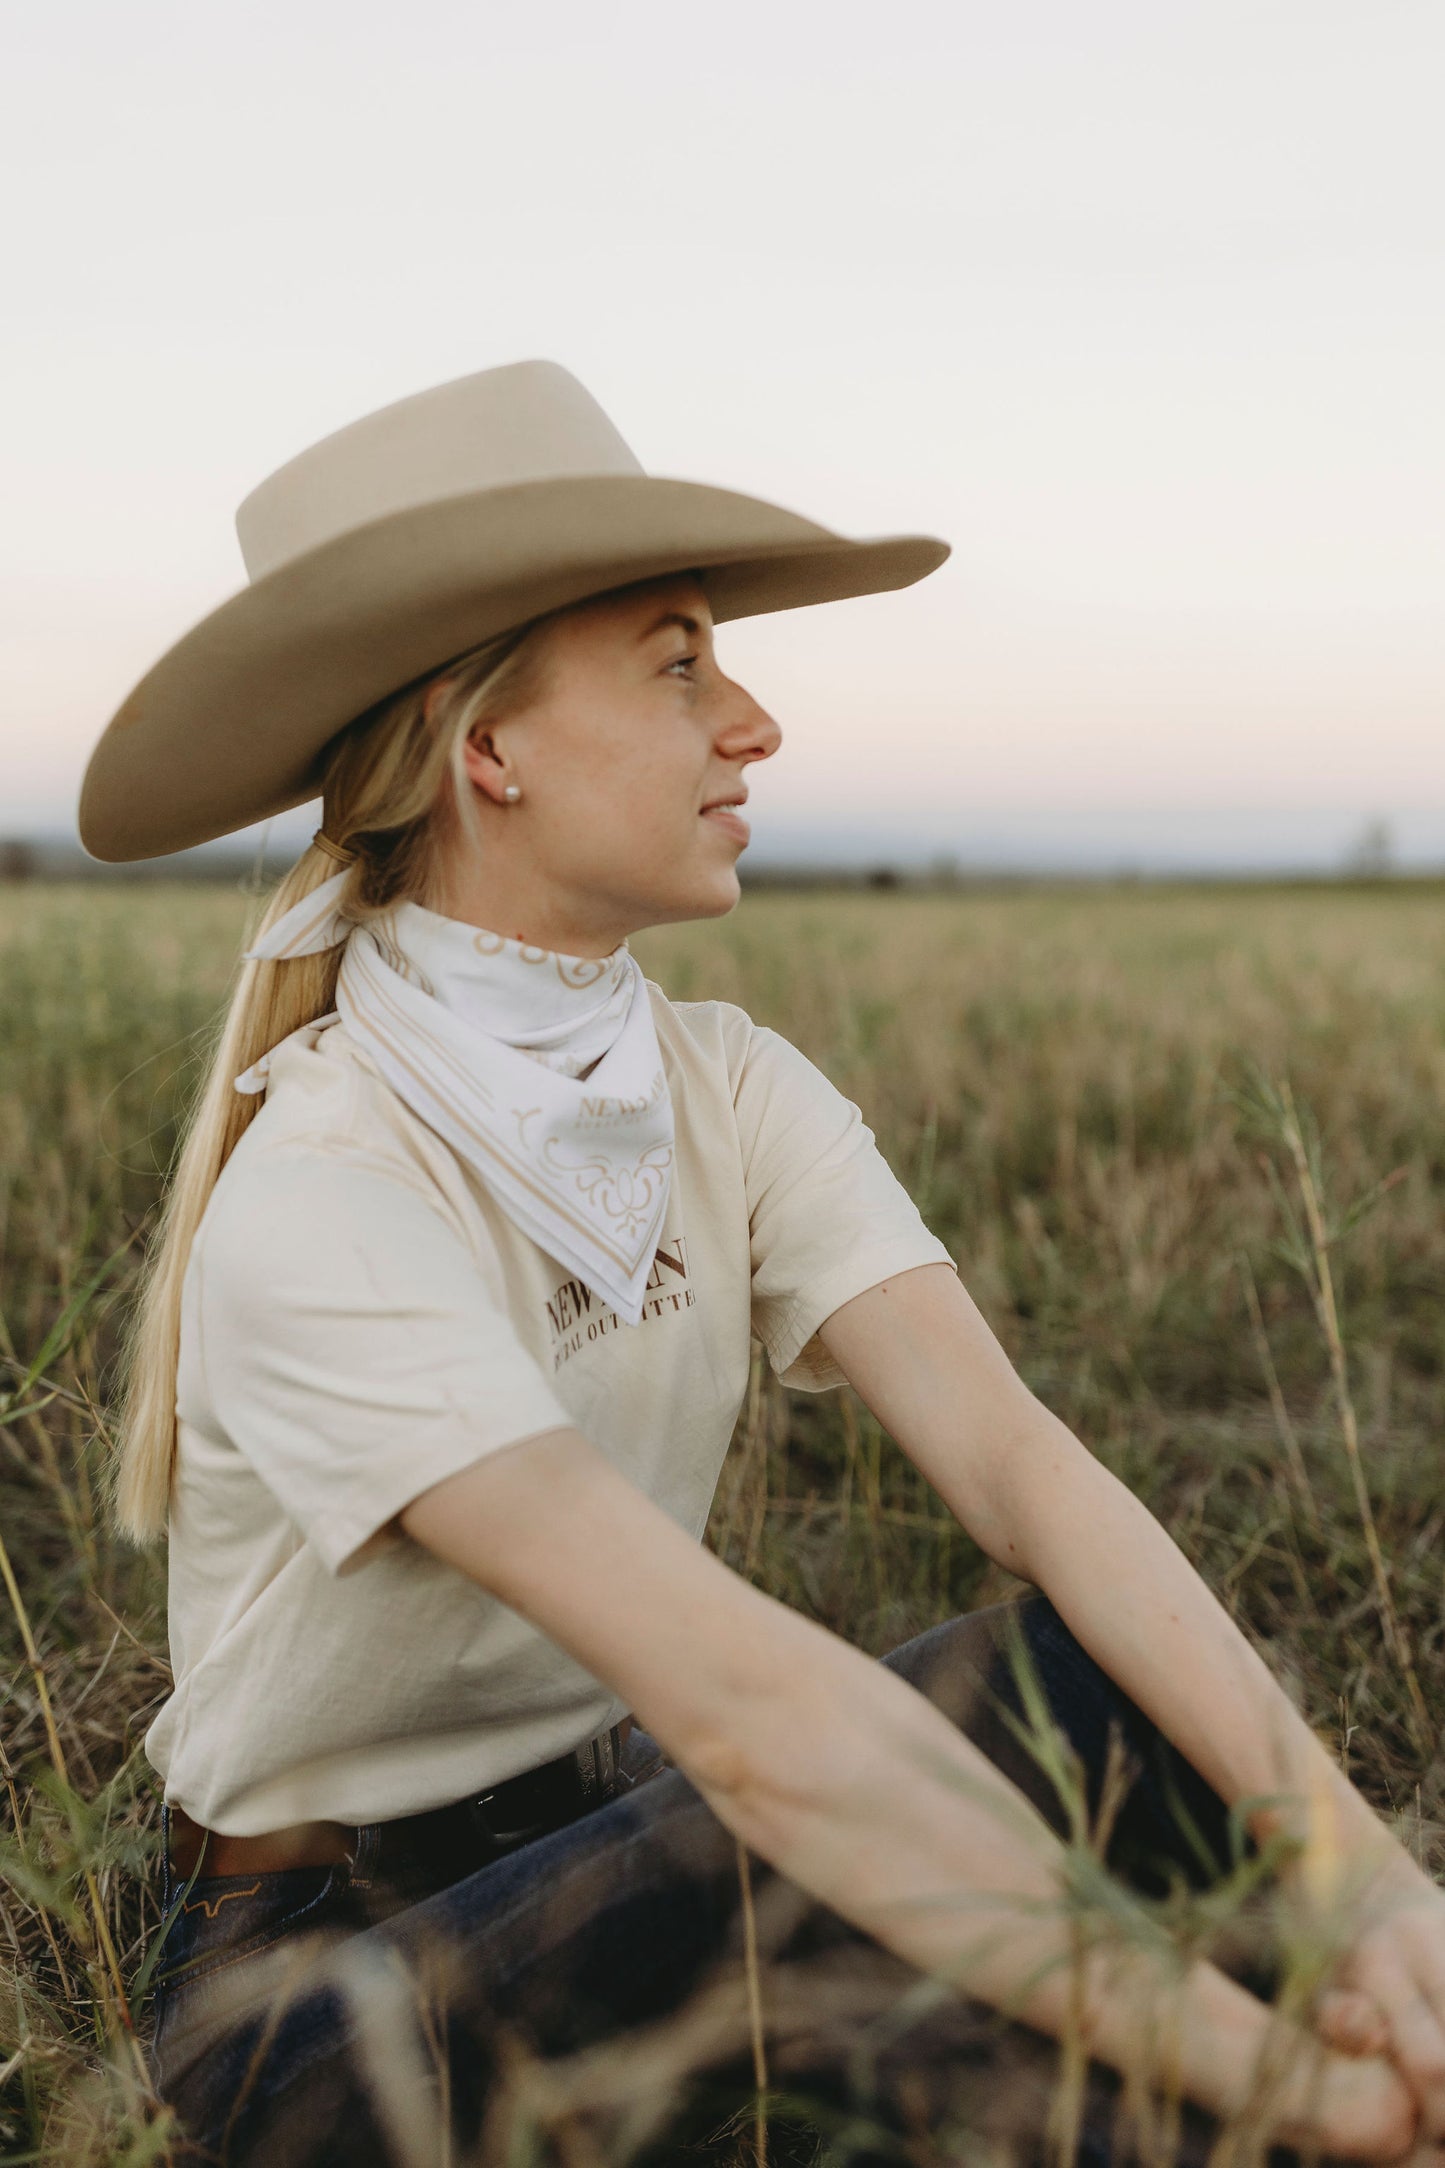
228	1917
212	1905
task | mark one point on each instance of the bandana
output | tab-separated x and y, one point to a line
541	1071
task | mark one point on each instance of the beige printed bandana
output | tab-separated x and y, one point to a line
541	1070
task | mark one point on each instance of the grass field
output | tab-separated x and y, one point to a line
1070	1084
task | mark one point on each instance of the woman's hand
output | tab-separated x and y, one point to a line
1391	1986
1352	2109
1263	2076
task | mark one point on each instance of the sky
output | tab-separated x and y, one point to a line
1140	307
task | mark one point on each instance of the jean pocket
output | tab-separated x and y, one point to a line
226	1917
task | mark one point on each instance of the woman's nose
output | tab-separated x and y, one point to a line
749	732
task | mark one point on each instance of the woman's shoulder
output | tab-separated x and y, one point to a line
721	1033
323	1089
712	1027
726	1036
331	1141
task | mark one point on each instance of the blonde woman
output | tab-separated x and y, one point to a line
446	1332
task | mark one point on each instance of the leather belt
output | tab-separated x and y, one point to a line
497	1821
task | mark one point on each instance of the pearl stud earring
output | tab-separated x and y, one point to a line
512	793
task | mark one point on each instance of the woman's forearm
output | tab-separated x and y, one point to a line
1132	1599
1038	1502
859	1790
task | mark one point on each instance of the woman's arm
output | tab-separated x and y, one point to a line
851	1783
1035	1500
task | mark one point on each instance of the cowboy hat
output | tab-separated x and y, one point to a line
406	539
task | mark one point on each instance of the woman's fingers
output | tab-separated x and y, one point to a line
1356	2107
1417	2044
1352	2022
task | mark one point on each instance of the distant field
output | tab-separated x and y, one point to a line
1067	1081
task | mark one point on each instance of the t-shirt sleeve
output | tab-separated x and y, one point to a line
350	1347
828	1216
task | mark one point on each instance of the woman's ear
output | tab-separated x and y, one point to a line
487	768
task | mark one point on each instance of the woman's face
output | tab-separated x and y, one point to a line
631	767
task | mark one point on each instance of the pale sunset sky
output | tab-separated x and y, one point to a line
1141	307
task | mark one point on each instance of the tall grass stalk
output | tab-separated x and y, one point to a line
1309	1251
755	2006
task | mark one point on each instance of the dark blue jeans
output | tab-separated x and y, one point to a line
593	1980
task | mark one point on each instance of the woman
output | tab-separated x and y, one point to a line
444	1340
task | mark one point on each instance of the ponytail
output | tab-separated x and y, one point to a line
385	794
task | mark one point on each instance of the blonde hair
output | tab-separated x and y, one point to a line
384	795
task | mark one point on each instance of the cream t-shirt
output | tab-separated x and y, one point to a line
359	1320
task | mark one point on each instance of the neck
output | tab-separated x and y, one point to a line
505	901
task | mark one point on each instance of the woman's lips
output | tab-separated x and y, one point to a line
729	818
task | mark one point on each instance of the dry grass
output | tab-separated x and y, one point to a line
1076	1088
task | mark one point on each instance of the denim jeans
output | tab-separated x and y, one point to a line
314	2016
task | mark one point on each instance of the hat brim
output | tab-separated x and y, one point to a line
230	726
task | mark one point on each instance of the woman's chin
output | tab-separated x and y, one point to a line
711	894
723	887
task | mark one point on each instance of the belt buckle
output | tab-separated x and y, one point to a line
505	1840
597	1773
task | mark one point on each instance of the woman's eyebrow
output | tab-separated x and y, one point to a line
689	625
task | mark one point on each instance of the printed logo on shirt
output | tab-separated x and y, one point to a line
578	1317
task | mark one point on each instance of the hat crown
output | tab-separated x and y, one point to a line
529	421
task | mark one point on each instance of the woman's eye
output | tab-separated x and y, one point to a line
682	662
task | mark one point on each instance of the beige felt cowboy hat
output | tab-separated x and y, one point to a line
407	538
